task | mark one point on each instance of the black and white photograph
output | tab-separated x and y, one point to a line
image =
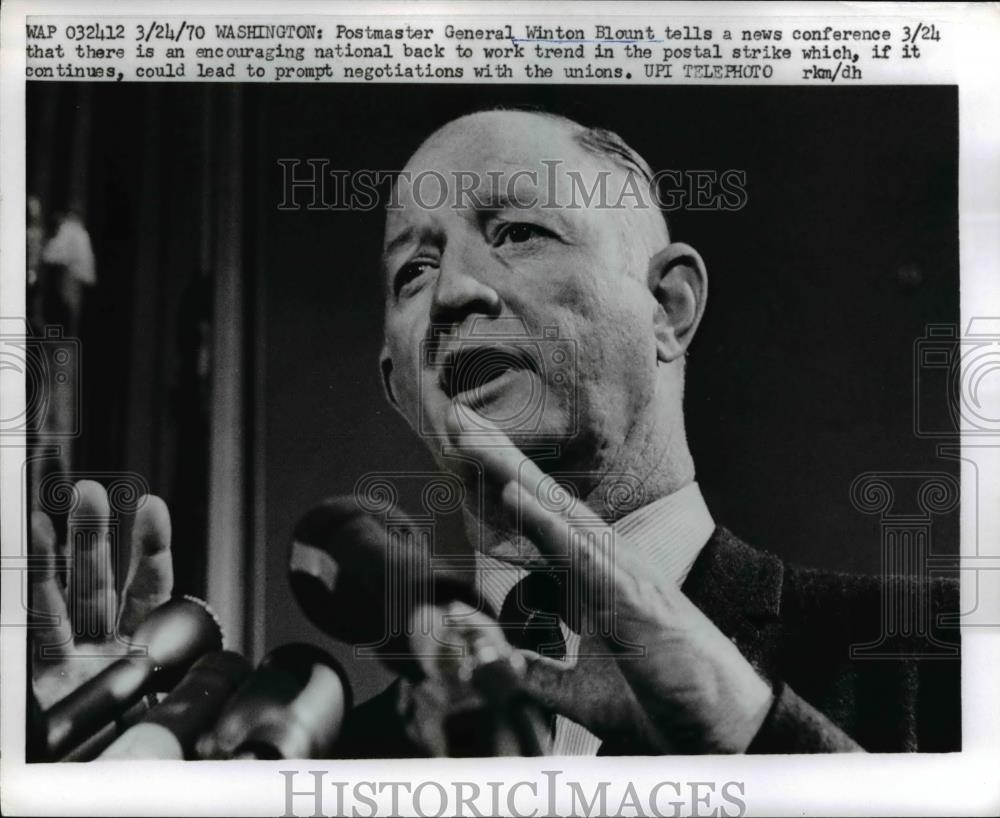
439	418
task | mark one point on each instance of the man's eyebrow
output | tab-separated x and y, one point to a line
489	198
397	241
523	199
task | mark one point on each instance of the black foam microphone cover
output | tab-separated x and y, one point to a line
292	706
359	577
530	614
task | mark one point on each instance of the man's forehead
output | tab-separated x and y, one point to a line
495	159
500	141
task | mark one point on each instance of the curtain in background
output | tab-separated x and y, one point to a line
151	178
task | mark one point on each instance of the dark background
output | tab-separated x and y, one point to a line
800	379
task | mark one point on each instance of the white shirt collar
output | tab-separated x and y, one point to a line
669	533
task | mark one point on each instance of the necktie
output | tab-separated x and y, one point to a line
531	612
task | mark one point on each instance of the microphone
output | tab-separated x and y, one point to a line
292	706
422	620
174	635
368	582
170	729
98	742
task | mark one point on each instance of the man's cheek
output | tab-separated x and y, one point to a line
399	374
427	406
418	400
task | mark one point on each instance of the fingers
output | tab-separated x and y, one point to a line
504	463
586	541
546	529
93	599
48	617
500	459
151	571
601	571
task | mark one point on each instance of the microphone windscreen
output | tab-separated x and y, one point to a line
144	741
176	634
97	743
358	577
531	612
170	729
292	706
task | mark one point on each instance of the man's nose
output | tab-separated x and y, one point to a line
461	291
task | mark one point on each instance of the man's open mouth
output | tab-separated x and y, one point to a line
473	372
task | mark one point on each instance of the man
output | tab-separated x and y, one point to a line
684	639
736	652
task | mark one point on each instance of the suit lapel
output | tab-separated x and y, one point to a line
739	589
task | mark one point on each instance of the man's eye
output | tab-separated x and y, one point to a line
519	233
411	272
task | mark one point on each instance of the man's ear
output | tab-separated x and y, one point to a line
679	283
385	367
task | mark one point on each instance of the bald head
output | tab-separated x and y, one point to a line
606	173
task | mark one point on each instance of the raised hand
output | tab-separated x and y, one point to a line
690	690
77	628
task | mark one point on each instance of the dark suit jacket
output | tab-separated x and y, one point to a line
797	627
